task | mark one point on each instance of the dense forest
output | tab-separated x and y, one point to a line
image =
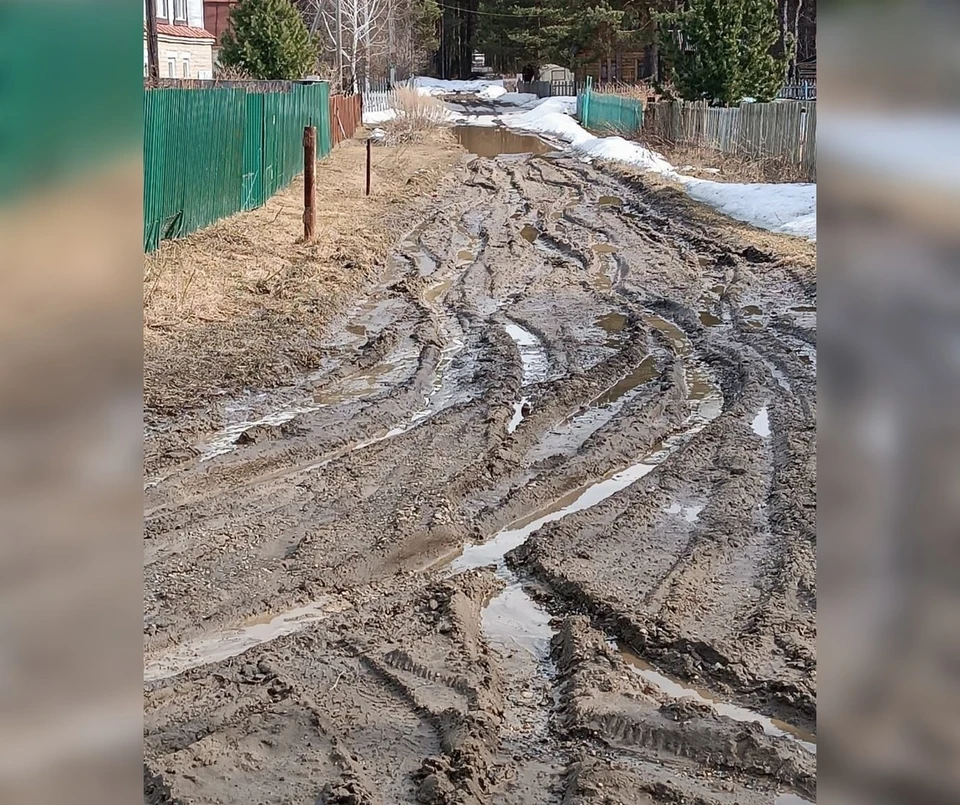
513	34
363	39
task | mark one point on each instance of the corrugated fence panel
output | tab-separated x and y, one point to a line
605	112
253	194
211	152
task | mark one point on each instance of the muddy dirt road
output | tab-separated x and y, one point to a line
541	528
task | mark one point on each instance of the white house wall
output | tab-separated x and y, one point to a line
195	13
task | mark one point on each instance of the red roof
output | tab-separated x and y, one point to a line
183	31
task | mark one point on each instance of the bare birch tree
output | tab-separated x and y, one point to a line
369	37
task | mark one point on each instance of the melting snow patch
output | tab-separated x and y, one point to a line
785	208
438	86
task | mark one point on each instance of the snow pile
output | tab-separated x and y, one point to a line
376	118
552	118
484	121
439	86
524	99
491	92
786	208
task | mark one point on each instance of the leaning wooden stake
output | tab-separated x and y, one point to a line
368	166
309	183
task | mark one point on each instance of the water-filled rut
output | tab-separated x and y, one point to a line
537	529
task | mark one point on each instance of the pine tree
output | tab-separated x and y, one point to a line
269	40
721	50
763	72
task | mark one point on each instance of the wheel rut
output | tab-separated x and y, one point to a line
534	532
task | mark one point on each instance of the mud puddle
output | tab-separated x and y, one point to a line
613	324
701	390
708	319
493	141
644	373
566	438
680	690
367	382
610	201
529	233
226	438
536	367
518	609
223	645
690	513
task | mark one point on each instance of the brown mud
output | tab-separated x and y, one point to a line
533	531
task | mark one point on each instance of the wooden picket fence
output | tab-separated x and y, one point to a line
381	95
758	131
549	89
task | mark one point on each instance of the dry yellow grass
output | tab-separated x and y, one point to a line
244	302
707	163
418	117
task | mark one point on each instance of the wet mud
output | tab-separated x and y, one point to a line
541	528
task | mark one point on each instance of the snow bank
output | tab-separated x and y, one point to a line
552	118
438	86
518	99
485	121
491	92
376	118
786	208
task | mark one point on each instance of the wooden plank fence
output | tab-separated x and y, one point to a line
785	130
381	95
549	89
345	113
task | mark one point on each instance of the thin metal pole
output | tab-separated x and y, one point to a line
368	165
309	183
153	56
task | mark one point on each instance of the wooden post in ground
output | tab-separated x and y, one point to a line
153	59
309	183
368	165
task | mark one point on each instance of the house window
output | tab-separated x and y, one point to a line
163	10
186	68
171	67
180	10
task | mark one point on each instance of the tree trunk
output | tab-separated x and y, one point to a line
355	50
796	42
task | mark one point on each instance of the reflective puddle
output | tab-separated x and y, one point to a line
679	690
529	233
761	423
231	642
493	141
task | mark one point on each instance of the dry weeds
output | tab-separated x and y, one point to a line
244	303
707	163
418	117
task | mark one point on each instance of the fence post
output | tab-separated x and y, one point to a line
309	183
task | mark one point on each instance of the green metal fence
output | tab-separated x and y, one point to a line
208	153
609	113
